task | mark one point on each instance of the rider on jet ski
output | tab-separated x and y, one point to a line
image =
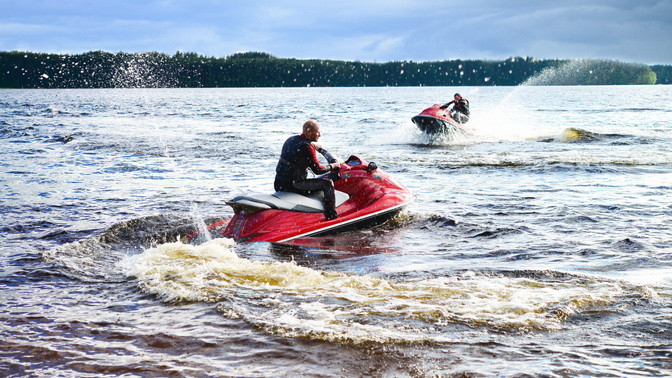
460	110
298	154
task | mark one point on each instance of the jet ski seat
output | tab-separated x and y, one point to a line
284	201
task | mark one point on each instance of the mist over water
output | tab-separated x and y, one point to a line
539	244
586	72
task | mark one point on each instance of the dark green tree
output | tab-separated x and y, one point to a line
99	69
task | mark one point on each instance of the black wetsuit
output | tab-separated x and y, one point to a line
297	156
460	111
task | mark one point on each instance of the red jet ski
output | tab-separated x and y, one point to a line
434	121
365	196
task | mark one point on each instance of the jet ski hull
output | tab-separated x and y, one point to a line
373	198
436	121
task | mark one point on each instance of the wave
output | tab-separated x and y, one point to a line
285	299
86	257
555	158
555	164
436	221
578	135
28	134
606	110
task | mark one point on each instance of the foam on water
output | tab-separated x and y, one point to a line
291	300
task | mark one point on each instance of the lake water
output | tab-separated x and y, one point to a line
541	244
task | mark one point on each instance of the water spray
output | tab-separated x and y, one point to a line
195	213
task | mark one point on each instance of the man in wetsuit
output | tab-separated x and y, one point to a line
460	110
298	154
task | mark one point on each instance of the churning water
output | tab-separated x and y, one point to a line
540	244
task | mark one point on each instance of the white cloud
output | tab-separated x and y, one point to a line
349	29
18	29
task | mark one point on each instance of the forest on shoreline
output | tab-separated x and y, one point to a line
99	69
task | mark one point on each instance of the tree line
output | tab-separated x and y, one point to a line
99	69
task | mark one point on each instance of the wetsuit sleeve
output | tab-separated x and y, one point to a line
446	105
327	155
312	162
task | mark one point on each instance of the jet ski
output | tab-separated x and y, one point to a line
365	196
436	121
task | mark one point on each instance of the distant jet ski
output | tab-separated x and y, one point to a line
437	121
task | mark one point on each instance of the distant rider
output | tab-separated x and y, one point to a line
460	109
298	154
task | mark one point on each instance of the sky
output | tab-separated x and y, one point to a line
370	31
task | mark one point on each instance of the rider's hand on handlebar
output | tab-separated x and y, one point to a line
335	166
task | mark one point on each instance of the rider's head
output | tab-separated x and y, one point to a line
457	96
311	130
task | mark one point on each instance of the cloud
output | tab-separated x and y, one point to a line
349	29
15	29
